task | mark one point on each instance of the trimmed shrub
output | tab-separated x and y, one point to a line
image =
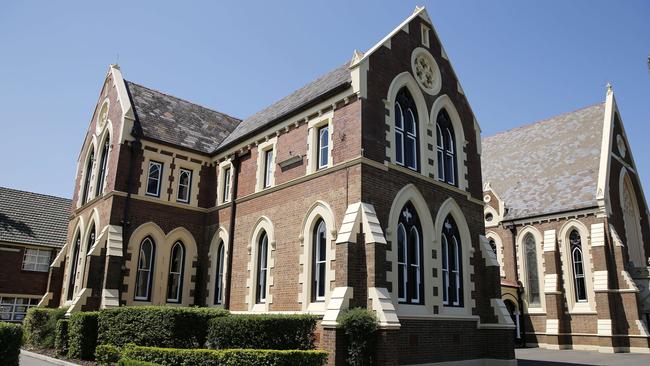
359	325
158	326
82	338
130	362
262	332
11	338
61	337
229	357
40	326
107	354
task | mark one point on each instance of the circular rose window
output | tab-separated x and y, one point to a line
426	71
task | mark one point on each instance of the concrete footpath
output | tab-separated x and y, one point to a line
539	357
28	358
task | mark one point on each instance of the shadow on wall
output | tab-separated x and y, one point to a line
11	225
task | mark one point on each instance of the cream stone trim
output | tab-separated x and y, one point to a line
359	75
92	149
263	224
444	102
384	308
604	327
313	141
357	214
552	326
499	256
598	235
114	243
221	181
339	301
501	311
79	230
78	301
194	183
567	267
437	82
406	80
629	281
635	250
601	281
262	148
550	283
104	134
319	210
602	188
166	161
549	241
521	267
44	301
163	244
495	217
128	117
487	253
110	298
221	236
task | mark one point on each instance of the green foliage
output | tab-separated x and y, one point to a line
262	332
231	357
11	338
158	326
40	326
359	325
61	337
107	354
130	362
82	338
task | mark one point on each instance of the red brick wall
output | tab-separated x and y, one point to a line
15	280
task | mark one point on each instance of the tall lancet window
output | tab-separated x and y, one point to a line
578	266
175	278
73	265
145	270
101	174
319	264
406	131
532	274
446	146
452	281
218	289
409	257
89	172
262	268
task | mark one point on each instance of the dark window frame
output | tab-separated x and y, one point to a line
446	147
161	166
267	173
319	264
189	172
262	268
101	173
150	271
73	265
411	268
405	106
452	264
218	286
181	273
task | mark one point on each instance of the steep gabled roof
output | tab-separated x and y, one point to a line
546	167
176	121
32	218
298	99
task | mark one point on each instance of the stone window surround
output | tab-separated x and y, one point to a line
220	236
195	179
499	254
220	183
262	148
166	162
313	141
521	267
575	307
264	224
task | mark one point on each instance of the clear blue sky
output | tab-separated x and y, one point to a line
518	61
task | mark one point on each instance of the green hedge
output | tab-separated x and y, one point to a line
11	338
130	362
61	337
231	357
107	354
40	326
83	335
262	332
157	326
359	326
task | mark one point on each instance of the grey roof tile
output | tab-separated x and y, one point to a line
32	218
176	121
546	167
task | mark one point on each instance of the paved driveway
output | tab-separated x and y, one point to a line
539	357
33	359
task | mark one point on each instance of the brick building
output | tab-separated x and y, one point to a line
363	188
567	218
32	230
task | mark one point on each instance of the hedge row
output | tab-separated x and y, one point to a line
278	332
61	337
158	326
40	326
82	338
130	362
11	338
232	357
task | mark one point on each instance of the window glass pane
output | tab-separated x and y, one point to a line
399	117
184	183
153	182
323	146
226	185
88	175
268	164
219	276
102	168
531	270
399	147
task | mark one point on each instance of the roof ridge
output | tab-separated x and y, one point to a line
542	121
36	193
182	99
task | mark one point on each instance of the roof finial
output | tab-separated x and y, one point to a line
356	57
418	9
609	88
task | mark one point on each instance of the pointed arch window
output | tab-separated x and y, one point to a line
452	274
446	147
493	246
218	288
578	266
319	264
101	174
143	280
73	265
409	257
262	267
175	277
89	167
91	238
532	274
406	131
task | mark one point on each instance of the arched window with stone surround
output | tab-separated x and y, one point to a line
144	275
532	274
218	288
73	265
452	282
101	173
175	277
577	262
406	131
262	267
446	148
319	261
409	256
91	238
88	174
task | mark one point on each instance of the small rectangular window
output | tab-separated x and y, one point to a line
154	178
37	260
226	185
268	167
14	309
323	147
425	35
184	185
